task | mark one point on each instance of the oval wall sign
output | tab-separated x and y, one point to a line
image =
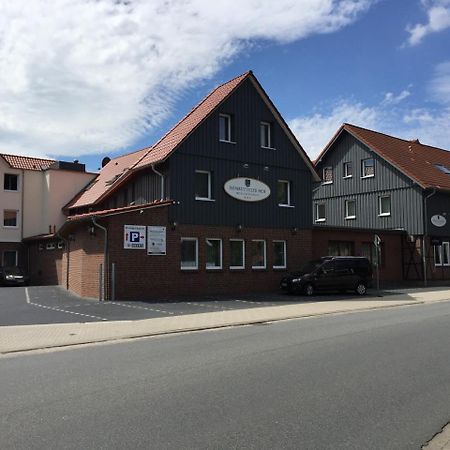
247	189
438	220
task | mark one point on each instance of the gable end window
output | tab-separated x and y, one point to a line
384	206
348	170
327	175
350	209
225	128
266	134
284	193
203	185
320	212
367	168
11	182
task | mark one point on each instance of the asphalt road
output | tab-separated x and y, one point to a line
53	304
374	380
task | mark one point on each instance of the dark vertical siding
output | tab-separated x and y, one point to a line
406	196
438	204
203	151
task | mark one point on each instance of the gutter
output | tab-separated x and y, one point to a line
425	235
162	180
105	259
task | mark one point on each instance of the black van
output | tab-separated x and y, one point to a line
330	273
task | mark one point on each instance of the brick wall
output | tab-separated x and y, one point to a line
391	242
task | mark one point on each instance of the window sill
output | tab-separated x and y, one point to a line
11	190
279	267
320	220
367	176
282	205
327	182
235	268
227	142
350	218
268	148
384	215
11	227
201	199
188	269
259	268
347	177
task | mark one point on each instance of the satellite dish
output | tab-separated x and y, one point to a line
105	161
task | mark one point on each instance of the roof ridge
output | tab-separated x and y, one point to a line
396	137
29	157
201	102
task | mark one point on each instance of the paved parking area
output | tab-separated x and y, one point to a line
53	304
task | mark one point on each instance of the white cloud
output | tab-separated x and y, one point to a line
86	76
438	13
429	124
391	99
316	130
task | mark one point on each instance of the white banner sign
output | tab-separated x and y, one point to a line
134	236
156	240
247	189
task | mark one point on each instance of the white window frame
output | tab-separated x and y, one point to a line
288	204
269	134
380	211
17	219
228	117
183	239
61	245
438	250
243	254
363	166
320	219
347	164
16	260
284	254
18	182
323	175
265	255
221	254
209	198
347	216
50	246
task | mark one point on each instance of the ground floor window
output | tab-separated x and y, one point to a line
189	253
258	254
213	253
442	254
237	254
340	248
9	258
279	254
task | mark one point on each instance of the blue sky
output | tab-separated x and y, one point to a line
380	64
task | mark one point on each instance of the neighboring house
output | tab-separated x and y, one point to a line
32	195
372	181
229	183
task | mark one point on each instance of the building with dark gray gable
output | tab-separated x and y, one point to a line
380	183
220	204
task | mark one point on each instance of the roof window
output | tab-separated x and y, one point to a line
442	168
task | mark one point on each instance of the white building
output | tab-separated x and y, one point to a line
32	195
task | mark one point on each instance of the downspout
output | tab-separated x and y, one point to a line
105	257
67	246
162	180
22	215
425	235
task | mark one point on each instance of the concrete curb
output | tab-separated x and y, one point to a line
25	338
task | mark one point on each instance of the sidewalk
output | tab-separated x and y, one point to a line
35	337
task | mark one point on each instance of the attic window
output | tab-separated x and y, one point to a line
442	168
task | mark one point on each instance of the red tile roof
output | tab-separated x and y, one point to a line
416	160
27	162
124	166
122	210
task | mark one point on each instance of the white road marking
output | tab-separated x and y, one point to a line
203	305
256	303
141	307
27	295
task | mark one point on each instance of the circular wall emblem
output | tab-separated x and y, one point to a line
247	189
438	220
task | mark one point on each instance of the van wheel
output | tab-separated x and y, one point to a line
361	288
308	290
